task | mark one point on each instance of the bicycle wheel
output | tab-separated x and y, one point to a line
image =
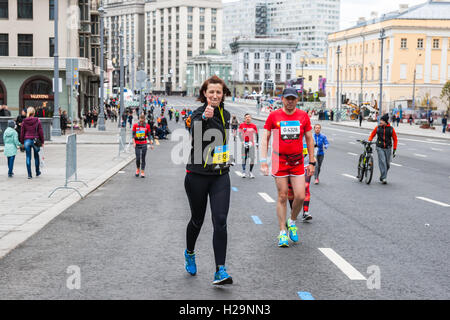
361	168
369	169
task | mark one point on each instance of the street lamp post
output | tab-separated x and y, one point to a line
338	52
56	128
101	116
414	83
121	77
382	37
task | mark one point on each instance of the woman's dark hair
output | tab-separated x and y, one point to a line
213	80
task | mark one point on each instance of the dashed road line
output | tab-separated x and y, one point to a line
434	201
256	220
349	176
343	265
420	155
436	149
351	142
305	295
266	197
352	154
396	164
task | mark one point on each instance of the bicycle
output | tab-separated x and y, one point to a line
365	163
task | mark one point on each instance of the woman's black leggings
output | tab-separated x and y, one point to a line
198	187
141	152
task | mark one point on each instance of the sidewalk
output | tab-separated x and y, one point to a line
25	206
403	129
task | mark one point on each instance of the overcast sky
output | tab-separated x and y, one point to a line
351	10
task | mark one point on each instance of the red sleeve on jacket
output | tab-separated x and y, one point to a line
394	137
374	132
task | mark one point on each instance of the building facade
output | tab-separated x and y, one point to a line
203	66
176	31
27	47
313	71
259	59
126	16
307	21
416	59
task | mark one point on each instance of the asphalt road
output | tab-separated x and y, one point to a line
127	238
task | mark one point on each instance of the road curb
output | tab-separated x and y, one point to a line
401	133
22	233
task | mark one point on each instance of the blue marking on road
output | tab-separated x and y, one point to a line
305	295
234	189
257	220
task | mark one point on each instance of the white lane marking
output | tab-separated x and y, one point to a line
349	176
436	149
401	144
352	154
121	172
266	197
351	142
420	155
396	164
239	174
343	265
434	201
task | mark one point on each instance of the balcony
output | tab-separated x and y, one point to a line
42	64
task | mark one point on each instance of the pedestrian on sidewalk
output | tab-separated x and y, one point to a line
385	135
208	176
11	141
444	124
19	120
360	117
63	122
32	137
410	120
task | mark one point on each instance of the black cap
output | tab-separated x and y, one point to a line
385	118
290	92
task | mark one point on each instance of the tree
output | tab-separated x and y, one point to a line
445	95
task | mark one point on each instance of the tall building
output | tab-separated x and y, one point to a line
259	59
27	47
126	16
307	21
416	59
175	31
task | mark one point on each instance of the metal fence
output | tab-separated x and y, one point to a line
71	164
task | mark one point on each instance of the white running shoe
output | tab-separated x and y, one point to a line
251	175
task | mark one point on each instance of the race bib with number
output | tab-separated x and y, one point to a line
290	130
140	134
221	154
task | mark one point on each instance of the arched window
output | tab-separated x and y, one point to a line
37	92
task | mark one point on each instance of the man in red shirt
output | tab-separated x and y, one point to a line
385	136
247	132
288	125
141	133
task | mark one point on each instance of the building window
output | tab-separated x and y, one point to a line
419	71
435	72
403	71
267	66
25	45
277	66
256	55
51	10
25	9
288	56
420	43
267	55
278	55
403	43
51	46
288	66
202	18
256	66
310	78
4	45
435	43
4	9
256	76
189	53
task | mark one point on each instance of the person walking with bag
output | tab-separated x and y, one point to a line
32	137
11	140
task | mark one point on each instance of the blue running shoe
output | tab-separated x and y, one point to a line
190	265
222	277
292	232
283	240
